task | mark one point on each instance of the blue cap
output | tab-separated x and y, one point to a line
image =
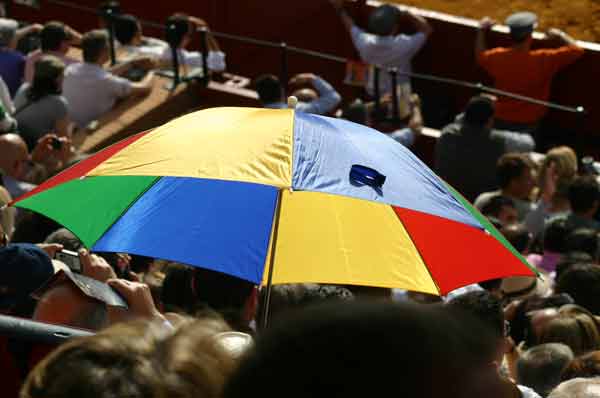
521	24
383	20
23	268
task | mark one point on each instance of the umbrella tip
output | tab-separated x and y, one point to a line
292	102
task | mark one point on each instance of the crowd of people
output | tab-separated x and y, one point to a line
191	332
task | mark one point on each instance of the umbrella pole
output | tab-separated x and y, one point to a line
267	300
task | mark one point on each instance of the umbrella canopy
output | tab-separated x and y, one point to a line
330	200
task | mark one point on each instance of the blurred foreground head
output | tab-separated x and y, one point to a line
371	349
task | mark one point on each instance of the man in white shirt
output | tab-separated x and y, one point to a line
270	93
385	47
92	91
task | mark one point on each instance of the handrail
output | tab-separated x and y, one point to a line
580	110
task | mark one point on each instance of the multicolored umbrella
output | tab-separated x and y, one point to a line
245	190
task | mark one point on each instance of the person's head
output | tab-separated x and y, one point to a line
128	30
574	327
488	309
584	195
569	259
577	388
179	30
7	216
177	294
13	155
587	365
269	89
518	236
356	112
66	238
540	367
564	161
23	269
514	172
480	111
65	304
502	208
521	26
344	349
555	236
583	240
383	20
137	359
47	77
55	37
95	47
8	31
582	282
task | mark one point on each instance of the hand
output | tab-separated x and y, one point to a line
337	4
43	148
199	22
95	267
144	62
486	23
50	248
138	297
302	79
36	27
549	184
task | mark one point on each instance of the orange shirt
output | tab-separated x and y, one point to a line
527	73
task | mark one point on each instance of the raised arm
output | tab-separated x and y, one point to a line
421	23
561	36
339	8
484	26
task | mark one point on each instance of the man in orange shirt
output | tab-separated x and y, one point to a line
524	71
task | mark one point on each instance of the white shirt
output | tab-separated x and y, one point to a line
388	51
328	99
193	59
91	91
7	103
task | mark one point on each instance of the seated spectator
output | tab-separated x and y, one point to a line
540	367
140	359
577	388
502	209
587	366
184	30
344	350
15	160
556	174
41	108
12	62
92	91
270	93
128	32
570	259
581	282
554	245
7	217
471	141
573	326
407	134
7	122
584	196
514	174
56	39
518	236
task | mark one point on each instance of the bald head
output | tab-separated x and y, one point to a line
65	304
13	155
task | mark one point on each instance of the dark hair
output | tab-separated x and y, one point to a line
555	235
483	306
66	238
178	25
53	35
583	240
540	367
587	365
570	259
356	112
583	193
511	166
494	206
517	235
344	349
93	44
269	88
126	27
582	282
177	294
491	285
47	71
479	110
383	20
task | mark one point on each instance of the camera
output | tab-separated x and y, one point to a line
71	260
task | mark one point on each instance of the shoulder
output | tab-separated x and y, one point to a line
484	198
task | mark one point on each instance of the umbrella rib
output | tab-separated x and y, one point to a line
126	209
